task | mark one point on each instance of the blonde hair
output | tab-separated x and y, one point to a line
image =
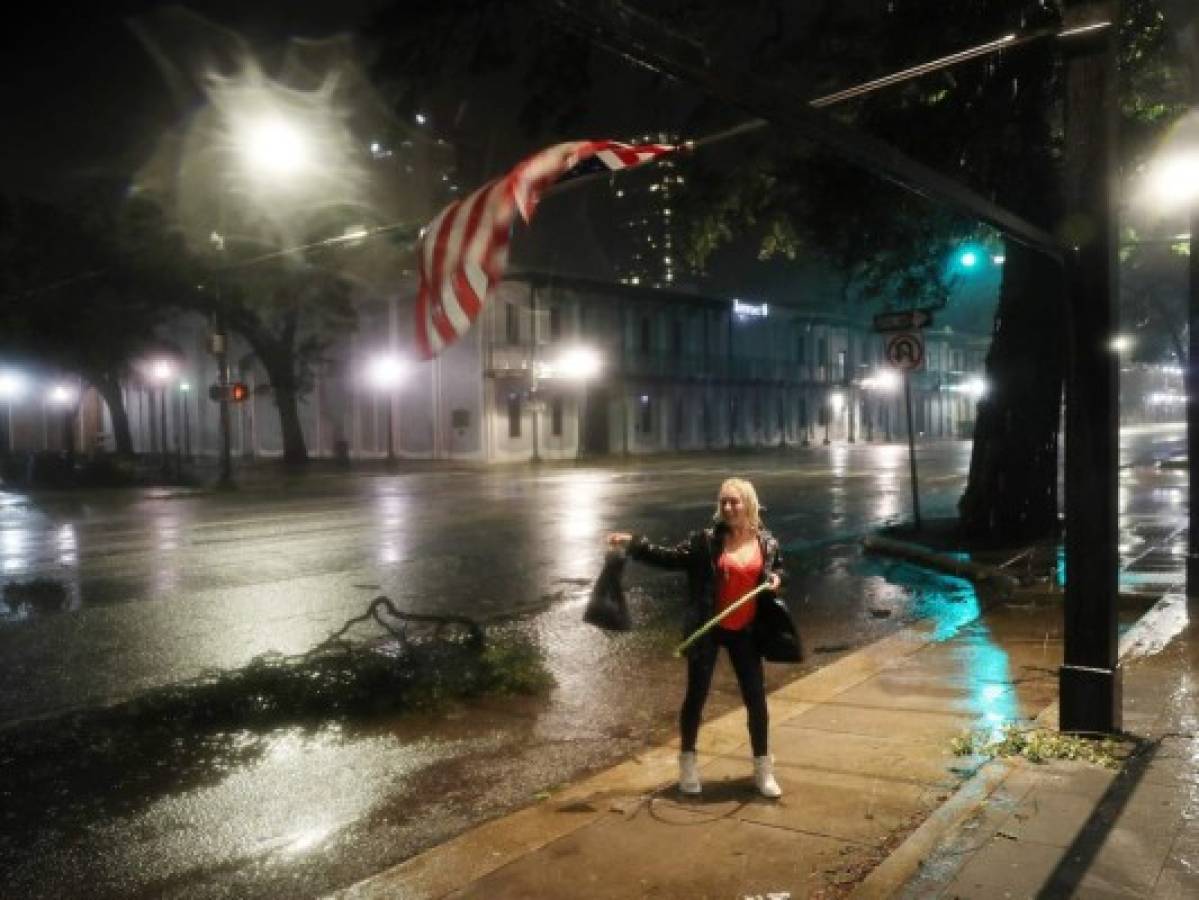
748	496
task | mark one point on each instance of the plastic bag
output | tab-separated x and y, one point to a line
607	608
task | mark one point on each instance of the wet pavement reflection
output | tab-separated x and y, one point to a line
155	591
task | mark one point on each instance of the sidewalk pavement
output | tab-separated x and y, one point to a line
874	802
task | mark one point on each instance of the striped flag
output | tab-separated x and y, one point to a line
464	250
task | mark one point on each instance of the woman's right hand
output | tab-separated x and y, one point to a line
619	539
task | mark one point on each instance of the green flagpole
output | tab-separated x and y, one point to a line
715	620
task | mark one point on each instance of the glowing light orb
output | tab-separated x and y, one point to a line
274	147
1174	181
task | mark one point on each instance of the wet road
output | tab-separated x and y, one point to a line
159	589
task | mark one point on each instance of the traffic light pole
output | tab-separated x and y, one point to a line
907	395
222	376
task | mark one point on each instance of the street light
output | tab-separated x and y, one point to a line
12	386
384	373
65	397
161	371
579	364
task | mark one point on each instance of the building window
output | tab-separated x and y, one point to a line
556	417
801	350
645	335
822	352
645	415
555	323
841	356
514	415
512	323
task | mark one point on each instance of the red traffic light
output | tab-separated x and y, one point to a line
237	392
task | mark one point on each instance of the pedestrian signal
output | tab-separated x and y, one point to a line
238	391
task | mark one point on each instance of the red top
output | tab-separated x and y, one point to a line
735	581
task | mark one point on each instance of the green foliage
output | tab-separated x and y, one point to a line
1037	745
513	666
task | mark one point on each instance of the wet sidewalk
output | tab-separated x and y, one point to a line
863	753
1068	829
875	802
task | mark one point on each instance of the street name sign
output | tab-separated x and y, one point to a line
905	350
903	320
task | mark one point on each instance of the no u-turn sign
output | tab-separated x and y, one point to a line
905	350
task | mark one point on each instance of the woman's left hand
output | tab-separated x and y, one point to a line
773	582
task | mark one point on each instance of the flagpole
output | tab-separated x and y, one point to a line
718	618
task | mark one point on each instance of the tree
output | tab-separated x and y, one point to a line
269	162
289	312
75	298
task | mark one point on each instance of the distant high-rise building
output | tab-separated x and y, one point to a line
648	241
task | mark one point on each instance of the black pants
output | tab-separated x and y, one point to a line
747	663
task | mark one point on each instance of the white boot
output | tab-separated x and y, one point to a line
689	774
764	777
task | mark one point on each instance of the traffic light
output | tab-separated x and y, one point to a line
237	392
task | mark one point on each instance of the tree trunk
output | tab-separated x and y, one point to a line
110	390
278	367
1012	490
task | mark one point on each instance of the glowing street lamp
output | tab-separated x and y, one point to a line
61	395
578	364
64	397
273	146
1121	343
384	373
161	372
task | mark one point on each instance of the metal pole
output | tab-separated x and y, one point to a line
732	400
907	393
162	427
179	436
187	438
1192	414
222	380
1189	37
391	450
579	411
1090	677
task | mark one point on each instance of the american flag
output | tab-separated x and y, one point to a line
464	250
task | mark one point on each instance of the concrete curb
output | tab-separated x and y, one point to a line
992	576
889	876
453	865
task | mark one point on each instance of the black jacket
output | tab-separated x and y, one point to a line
774	631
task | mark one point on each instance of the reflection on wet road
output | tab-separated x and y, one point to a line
155	590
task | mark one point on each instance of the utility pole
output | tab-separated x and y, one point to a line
1090	676
219	346
1186	24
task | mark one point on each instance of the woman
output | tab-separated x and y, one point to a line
723	563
